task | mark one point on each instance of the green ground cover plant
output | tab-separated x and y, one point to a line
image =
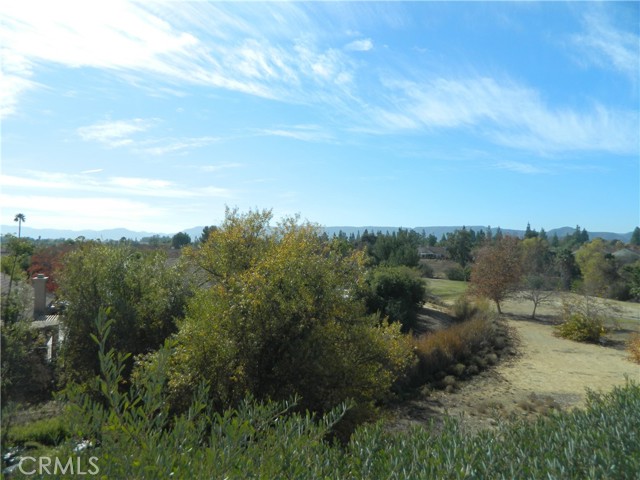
47	431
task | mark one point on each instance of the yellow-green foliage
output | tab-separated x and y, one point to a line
586	319
633	347
282	317
577	326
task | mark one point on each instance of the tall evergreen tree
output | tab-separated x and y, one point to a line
529	233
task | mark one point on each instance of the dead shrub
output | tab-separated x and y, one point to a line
633	347
438	351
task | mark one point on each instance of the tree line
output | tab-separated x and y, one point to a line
280	310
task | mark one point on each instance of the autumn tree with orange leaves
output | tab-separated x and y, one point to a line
497	270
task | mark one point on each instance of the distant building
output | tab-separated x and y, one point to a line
626	256
433	253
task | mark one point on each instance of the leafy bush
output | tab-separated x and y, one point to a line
458	273
426	270
633	347
580	328
586	319
24	373
142	292
397	293
282	316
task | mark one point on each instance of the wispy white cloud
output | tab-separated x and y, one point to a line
219	167
120	133
605	45
178	145
200	43
505	113
114	133
306	133
363	45
119	186
217	45
520	167
12	86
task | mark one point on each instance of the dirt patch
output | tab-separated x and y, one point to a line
548	373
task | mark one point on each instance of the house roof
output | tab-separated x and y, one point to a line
626	255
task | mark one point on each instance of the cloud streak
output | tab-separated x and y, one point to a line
520	167
294	59
505	113
114	133
363	45
117	185
603	45
305	133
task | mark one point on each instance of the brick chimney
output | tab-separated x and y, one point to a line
39	283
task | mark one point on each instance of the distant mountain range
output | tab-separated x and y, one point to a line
195	232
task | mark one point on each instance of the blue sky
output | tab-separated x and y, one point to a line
155	115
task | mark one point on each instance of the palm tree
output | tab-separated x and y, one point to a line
19	218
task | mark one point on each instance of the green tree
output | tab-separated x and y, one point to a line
598	268
396	293
281	316
20	218
529	233
459	245
497	270
635	237
206	231
140	291
631	273
180	240
566	265
400	248
15	265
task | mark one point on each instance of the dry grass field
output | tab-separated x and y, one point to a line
547	373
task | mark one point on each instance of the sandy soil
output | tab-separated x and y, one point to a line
547	373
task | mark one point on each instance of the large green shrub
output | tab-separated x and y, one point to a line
396	293
281	317
140	291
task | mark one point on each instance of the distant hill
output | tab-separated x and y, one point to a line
52	233
195	232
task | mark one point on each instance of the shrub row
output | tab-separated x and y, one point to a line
449	349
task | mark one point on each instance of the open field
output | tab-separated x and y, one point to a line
446	290
548	372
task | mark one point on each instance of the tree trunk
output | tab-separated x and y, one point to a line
498	305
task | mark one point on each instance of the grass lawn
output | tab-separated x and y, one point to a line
447	290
